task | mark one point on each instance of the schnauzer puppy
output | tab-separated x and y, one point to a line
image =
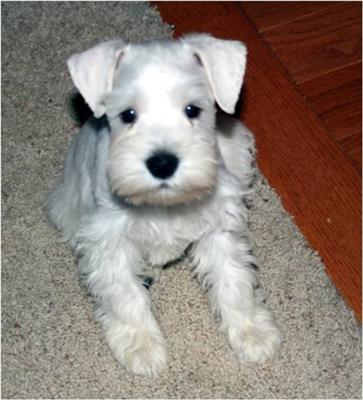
153	173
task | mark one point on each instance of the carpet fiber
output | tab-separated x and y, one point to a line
51	345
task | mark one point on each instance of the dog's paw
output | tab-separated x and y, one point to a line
139	350
257	339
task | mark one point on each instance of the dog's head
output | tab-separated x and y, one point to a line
159	98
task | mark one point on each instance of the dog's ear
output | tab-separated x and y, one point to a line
93	72
224	62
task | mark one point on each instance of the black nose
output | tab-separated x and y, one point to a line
162	164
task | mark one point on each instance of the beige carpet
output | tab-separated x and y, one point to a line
51	345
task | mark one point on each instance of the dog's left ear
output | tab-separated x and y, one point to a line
224	62
93	72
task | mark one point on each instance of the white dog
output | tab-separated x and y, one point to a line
151	174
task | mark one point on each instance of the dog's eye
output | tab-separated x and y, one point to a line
128	116
192	111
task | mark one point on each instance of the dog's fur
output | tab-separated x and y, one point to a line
125	223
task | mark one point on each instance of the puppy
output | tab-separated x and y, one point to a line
153	173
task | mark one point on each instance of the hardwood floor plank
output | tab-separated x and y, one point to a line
267	15
344	121
334	89
337	99
317	183
311	46
352	146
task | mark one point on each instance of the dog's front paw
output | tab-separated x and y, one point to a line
139	350
257	338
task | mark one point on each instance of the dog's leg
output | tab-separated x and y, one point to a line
110	265
224	263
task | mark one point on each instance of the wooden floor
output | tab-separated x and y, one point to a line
319	45
302	99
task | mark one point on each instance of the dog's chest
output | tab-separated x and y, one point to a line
163	235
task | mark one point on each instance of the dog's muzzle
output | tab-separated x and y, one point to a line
162	164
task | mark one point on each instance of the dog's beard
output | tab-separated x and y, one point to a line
135	185
138	190
163	195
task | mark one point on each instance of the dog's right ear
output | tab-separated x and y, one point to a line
93	72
